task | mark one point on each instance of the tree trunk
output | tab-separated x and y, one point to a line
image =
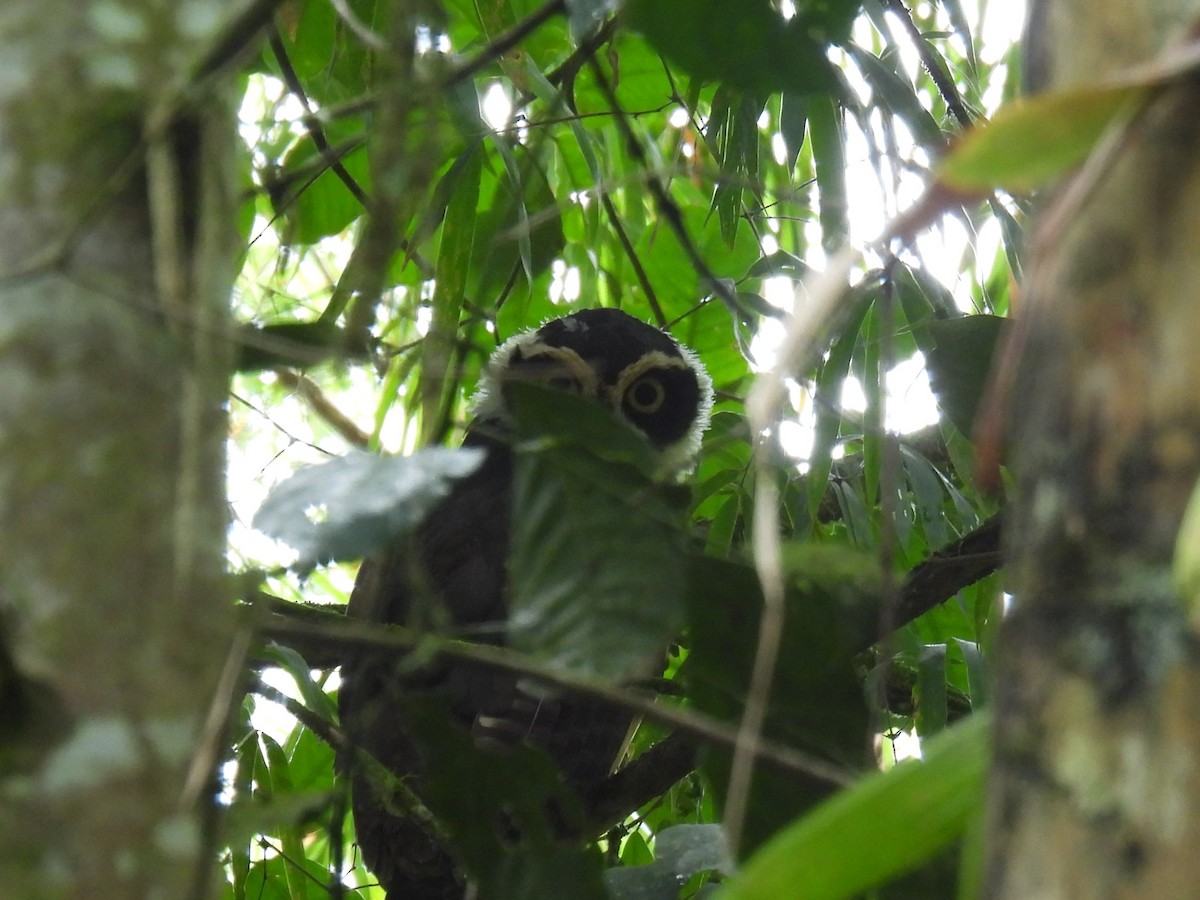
116	261
1095	789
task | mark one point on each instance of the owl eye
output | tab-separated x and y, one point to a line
646	395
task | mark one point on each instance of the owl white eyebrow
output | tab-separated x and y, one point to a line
488	402
573	364
655	359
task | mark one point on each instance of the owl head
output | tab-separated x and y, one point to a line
647	378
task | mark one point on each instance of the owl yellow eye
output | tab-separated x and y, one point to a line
646	395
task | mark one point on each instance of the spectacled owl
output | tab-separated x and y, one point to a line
451	577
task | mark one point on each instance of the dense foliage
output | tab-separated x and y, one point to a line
423	182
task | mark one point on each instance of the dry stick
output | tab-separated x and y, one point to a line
323	406
888	477
809	318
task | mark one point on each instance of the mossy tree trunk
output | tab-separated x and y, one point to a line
1096	784
116	260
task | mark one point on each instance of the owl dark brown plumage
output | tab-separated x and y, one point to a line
450	577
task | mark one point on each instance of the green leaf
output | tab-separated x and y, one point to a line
931	690
736	139
351	506
779	263
828	147
816	703
520	224
680	852
887	824
552	97
293	663
977	675
897	95
746	45
317	202
285	878
596	561
793	120
960	363
926	486
672	271
854	511
827	406
1032	141
453	266
634	70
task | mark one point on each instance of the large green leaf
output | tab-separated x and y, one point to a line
888	824
317	201
960	363
817	703
329	59
746	45
680	852
349	507
1034	140
636	73
671	270
596	562
519	227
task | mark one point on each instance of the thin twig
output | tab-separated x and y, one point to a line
358	28
318	725
359	636
809	319
502	43
323	406
941	79
667	206
888	477
310	121
639	271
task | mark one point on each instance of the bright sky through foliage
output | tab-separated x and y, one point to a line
270	440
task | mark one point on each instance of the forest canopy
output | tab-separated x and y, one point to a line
401	400
692	164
